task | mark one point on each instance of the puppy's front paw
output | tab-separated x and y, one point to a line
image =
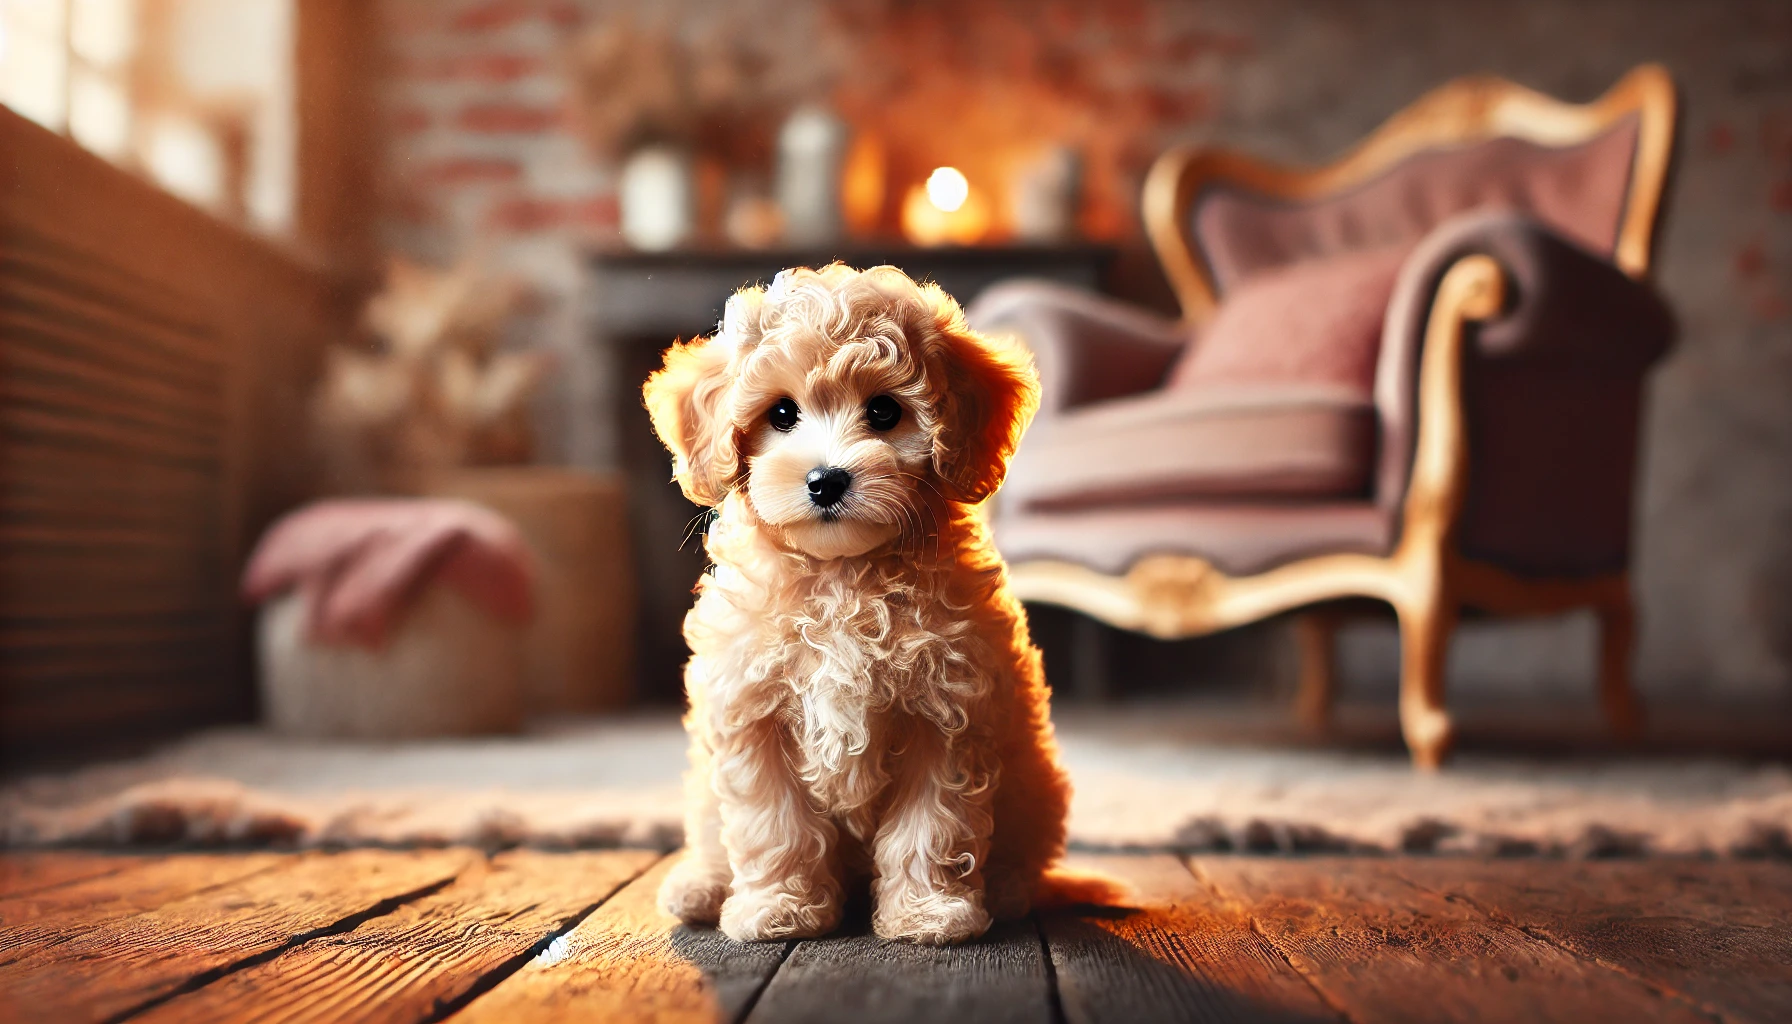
935	919
767	914
693	895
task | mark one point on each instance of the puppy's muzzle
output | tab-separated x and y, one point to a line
828	486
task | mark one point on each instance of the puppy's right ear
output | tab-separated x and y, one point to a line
688	401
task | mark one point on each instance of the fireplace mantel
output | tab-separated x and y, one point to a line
638	296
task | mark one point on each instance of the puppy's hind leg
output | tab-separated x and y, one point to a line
696	886
780	848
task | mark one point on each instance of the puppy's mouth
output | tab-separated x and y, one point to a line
847	512
838	531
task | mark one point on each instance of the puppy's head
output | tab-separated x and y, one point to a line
841	401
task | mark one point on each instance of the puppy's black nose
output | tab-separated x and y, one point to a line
828	486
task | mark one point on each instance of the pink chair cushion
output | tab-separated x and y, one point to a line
1280	441
1274	400
361	563
1314	322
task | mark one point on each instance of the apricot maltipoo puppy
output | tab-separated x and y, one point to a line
865	702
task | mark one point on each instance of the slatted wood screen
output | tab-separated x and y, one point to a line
153	368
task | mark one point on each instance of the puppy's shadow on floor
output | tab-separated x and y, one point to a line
1106	962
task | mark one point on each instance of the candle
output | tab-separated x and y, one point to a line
944	210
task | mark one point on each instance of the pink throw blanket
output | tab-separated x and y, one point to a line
361	563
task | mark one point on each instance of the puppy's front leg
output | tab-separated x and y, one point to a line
779	847
696	886
932	843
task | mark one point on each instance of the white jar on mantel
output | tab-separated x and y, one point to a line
1045	194
658	195
811	156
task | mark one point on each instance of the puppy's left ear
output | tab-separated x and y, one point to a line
990	392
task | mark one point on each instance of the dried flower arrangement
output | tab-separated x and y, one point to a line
699	90
637	85
433	393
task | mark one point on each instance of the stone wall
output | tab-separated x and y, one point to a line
482	151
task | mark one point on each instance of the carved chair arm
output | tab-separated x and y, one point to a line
1543	394
1564	306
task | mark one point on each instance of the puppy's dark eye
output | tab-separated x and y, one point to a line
783	414
883	412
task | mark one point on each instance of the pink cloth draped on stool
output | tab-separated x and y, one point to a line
361	563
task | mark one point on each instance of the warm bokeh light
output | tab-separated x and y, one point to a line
862	185
944	211
947	189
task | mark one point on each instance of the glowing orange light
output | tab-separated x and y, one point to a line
944	211
947	189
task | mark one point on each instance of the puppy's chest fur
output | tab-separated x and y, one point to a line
848	655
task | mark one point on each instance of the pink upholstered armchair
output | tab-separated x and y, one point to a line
1413	375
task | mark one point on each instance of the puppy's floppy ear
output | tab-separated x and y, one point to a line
990	392
691	401
688	401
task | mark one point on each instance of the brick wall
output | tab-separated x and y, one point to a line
480	151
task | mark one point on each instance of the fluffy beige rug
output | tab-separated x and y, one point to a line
615	782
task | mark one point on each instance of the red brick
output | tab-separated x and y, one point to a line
510	118
1171	106
409	120
466	170
564	15
1751	259
498	15
476	67
1720	139
525	214
598	212
1780	198
492	16
1776	134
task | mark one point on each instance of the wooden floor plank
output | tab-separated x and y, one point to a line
1382	950
430	953
1719	933
35	921
134	960
630	961
23	872
1180	956
863	979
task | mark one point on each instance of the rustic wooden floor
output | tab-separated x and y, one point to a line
524	935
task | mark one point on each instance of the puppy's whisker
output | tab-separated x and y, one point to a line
914	524
933	513
697	526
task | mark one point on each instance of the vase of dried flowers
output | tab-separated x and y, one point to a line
678	114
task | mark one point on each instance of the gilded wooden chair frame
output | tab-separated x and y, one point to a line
1425	579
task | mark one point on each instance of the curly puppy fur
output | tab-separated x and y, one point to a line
865	702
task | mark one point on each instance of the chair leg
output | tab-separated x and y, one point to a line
1315	635
1425	627
1617	638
